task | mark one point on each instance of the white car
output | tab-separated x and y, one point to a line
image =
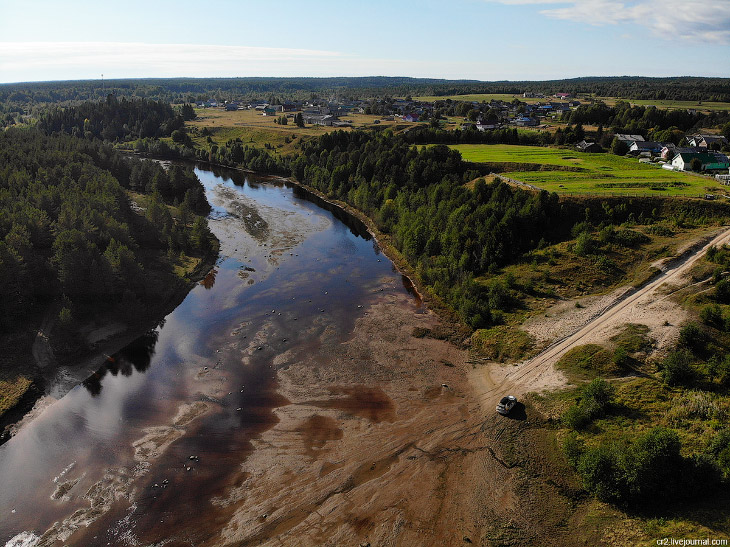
506	404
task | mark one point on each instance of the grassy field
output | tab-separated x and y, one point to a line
671	105
479	97
599	173
257	130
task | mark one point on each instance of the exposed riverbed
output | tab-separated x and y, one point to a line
284	400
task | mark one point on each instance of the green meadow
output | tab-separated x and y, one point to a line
587	174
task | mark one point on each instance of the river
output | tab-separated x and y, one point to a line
153	445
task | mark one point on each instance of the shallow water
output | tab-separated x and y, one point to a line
137	451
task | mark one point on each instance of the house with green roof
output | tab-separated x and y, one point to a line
710	162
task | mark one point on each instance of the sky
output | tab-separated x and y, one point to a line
454	39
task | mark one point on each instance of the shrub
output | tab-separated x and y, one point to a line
600	391
719	449
629	238
583	244
573	448
711	315
621	357
576	417
719	369
722	291
602	475
677	368
693	337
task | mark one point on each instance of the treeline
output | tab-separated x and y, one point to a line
181	90
113	119
507	135
448	232
643	119
234	153
68	233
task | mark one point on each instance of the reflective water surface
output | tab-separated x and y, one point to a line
128	455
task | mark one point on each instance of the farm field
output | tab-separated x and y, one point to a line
257	130
598	173
704	106
479	97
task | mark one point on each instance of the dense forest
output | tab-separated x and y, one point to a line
181	90
113	119
68	233
450	233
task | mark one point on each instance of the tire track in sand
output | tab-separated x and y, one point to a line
537	373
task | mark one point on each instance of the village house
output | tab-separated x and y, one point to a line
525	121
670	150
642	146
709	162
484	125
590	147
628	139
706	141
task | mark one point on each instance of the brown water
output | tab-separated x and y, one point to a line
136	453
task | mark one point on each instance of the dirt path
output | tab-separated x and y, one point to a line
649	305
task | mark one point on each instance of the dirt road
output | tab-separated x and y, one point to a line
648	305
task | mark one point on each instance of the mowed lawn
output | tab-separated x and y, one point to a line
600	173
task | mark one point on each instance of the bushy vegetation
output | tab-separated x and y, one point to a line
113	119
647	472
68	233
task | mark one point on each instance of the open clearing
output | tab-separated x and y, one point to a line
257	130
587	173
648	305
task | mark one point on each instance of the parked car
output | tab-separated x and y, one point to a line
506	404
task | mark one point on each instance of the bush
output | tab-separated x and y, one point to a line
576	417
651	471
602	475
621	357
584	244
600	391
693	338
722	291
597	397
719	449
573	448
719	369
712	315
629	238
677	368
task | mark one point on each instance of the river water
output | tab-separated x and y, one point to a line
138	452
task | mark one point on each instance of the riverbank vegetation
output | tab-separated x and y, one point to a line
646	433
74	246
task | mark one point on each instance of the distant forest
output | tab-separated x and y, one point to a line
181	90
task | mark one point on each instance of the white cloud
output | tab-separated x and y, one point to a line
43	61
694	20
116	59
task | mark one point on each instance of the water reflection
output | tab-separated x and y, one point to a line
136	356
356	226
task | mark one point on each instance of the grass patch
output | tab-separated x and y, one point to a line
633	338
587	173
502	343
12	391
588	362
